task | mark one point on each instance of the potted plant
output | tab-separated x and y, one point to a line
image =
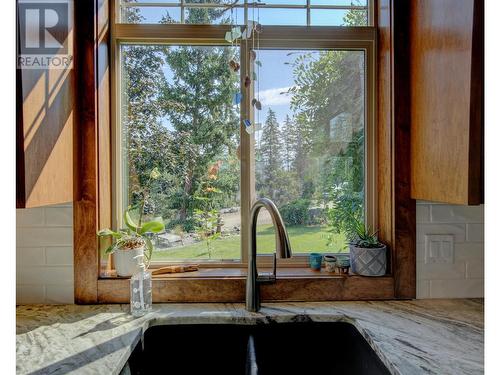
368	255
132	247
345	215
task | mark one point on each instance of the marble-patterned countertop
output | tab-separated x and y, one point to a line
411	337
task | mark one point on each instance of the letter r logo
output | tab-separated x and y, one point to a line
43	27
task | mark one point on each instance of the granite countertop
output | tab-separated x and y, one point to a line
411	337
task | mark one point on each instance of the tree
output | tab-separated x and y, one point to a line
197	100
147	140
270	155
290	139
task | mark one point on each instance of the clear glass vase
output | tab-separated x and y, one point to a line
141	296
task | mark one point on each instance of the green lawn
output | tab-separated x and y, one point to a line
303	240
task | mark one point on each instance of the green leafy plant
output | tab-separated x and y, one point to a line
136	234
365	237
345	212
206	227
346	215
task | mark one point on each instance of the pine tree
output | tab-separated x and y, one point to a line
290	138
270	151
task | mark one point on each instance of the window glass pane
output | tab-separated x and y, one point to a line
178	116
357	3
285	2
150	15
310	149
336	17
281	16
214	16
267	16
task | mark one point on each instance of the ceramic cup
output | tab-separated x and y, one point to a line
330	263
343	263
315	260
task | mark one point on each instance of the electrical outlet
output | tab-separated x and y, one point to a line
439	248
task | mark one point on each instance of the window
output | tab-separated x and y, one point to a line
180	107
309	148
271	12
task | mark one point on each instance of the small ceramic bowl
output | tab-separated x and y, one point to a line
330	263
343	263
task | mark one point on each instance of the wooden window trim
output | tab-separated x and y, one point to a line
92	196
346	38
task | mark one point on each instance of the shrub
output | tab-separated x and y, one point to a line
188	225
296	212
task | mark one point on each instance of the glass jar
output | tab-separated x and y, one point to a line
141	293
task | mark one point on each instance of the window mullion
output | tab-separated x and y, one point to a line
308	12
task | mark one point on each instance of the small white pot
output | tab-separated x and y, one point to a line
127	262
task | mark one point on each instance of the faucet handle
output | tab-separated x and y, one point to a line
268	277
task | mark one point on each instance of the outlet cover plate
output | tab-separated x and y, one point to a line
439	248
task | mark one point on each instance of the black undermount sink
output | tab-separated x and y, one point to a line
275	348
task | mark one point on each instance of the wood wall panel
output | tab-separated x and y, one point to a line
384	128
103	113
396	207
92	208
404	219
44	145
92	194
447	100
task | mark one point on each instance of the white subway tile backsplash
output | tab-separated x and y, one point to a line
67	204
464	276
466	288
59	216
30	294
454	270
423	289
30	217
30	256
420	256
469	250
475	232
59	255
456	214
45	275
59	294
423	214
474	268
45	254
46	236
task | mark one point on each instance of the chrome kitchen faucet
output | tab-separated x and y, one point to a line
283	249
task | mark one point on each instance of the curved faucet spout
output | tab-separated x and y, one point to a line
283	249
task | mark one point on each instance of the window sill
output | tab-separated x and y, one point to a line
228	285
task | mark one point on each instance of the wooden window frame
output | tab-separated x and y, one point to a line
279	37
248	5
93	186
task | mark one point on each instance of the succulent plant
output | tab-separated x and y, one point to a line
364	236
